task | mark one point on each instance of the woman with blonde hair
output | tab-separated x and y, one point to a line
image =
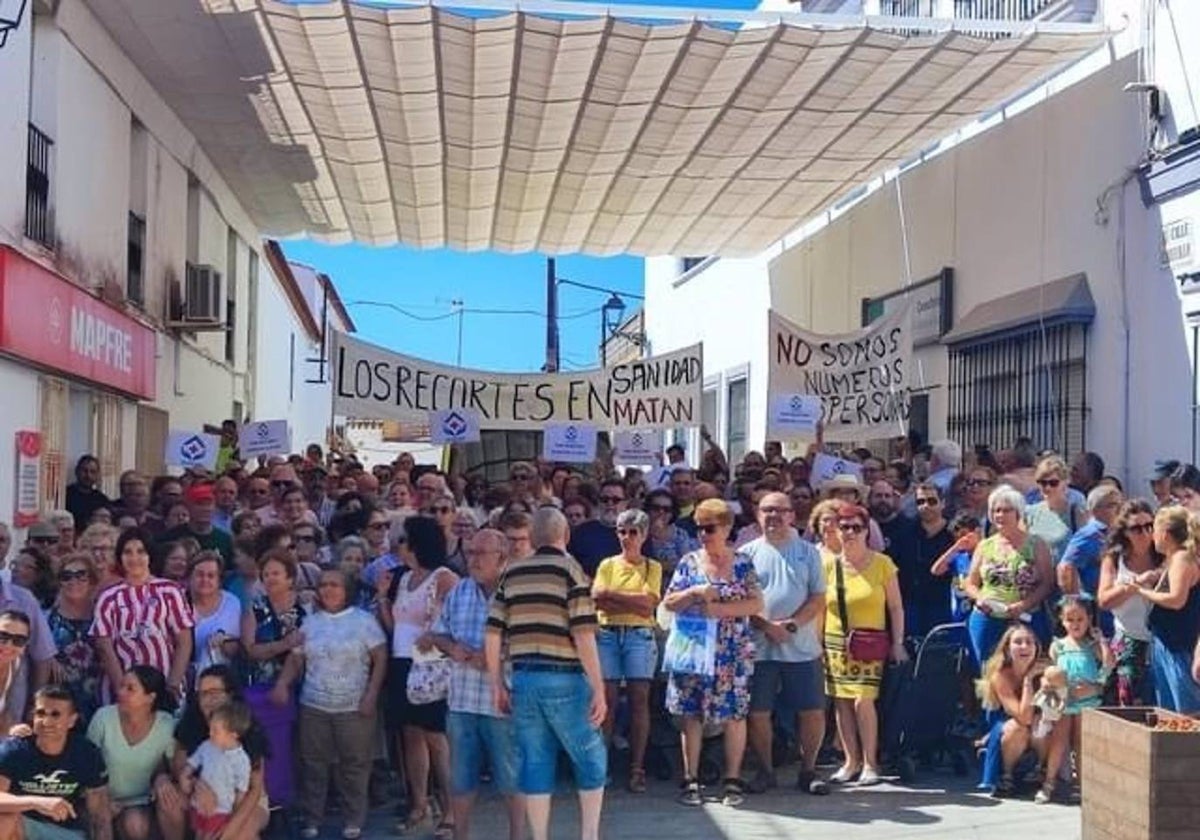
1007	690
1174	619
822	526
1056	517
100	541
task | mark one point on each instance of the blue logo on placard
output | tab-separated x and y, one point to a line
264	431
454	425
636	440
797	403
571	433
194	448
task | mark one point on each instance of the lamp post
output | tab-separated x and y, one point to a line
11	12
613	308
614	304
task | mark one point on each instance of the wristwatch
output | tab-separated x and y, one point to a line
791	627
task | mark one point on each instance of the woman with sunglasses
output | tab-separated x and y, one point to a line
1130	558
70	618
978	486
864	594
665	541
15	629
626	591
717	583
1056	517
1011	576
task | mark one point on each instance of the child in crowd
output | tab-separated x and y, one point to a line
223	765
1086	659
957	562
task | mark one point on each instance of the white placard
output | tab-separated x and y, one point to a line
793	415
570	442
453	425
192	449
639	447
826	467
264	437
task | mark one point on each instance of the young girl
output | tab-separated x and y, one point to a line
1087	661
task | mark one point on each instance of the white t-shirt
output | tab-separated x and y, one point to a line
337	655
227	619
227	772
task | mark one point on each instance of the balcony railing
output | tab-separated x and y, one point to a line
908	8
39	224
1002	9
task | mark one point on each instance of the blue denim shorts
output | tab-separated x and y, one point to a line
550	712
627	653
471	737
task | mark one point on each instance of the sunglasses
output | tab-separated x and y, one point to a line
850	528
1049	482
979	482
66	576
281	485
659	508
1143	528
628	532
927	502
520	477
709	528
612	500
14	639
44	540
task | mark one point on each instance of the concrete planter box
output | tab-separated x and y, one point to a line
1140	771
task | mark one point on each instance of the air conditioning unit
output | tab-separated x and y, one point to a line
202	301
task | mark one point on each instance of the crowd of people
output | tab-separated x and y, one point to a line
205	651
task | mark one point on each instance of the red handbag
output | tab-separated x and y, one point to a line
862	645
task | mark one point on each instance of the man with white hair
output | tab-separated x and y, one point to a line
543	610
945	461
1078	571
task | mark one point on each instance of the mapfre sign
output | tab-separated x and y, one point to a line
52	323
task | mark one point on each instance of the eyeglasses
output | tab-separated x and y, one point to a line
14	639
44	540
1049	482
305	538
282	485
1141	528
66	575
628	532
774	509
850	528
708	528
978	482
926	502
612	500
377	526
659	508
520	477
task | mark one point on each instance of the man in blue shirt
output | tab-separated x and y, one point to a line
788	672
1078	571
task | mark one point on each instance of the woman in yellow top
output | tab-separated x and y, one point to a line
861	583
626	590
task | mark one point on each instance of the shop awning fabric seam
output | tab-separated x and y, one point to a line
518	132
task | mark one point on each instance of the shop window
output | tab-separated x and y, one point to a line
1030	384
736	419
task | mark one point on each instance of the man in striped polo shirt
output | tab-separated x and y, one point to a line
543	610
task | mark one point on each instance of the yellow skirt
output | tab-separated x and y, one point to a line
846	678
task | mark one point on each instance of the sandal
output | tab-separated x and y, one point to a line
734	793
637	780
690	794
414	821
1045	795
444	831
1006	788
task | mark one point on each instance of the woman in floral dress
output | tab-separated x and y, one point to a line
70	620
715	583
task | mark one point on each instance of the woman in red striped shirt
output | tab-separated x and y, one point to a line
144	620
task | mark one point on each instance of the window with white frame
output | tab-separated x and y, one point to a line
737	409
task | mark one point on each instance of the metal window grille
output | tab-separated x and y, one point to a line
907	8
135	283
108	410
39	224
1000	9
52	423
1032	384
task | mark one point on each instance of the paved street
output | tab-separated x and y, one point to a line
941	806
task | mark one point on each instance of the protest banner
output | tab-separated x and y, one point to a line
862	377
661	392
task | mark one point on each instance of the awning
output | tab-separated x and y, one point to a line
518	132
1065	301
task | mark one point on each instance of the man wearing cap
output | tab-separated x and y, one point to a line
201	503
44	536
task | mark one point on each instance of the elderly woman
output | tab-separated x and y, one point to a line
1055	518
1129	559
100	541
1010	578
864	595
170	561
343	658
717	584
218	613
144	620
665	541
70	620
350	555
626	591
1174	619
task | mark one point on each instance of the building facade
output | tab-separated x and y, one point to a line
132	280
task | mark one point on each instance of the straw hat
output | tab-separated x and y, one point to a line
843	481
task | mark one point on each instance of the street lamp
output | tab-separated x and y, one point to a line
11	12
611	315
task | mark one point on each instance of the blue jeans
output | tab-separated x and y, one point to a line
985	632
471	736
1174	687
550	711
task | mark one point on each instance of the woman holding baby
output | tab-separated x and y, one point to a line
1009	690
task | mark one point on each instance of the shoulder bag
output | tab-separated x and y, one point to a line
862	645
429	676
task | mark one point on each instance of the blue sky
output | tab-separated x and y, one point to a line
423	283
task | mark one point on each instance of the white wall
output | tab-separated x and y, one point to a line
1010	209
1177	62
19	385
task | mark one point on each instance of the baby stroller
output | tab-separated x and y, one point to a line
920	703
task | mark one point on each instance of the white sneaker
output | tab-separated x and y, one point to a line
844	775
869	777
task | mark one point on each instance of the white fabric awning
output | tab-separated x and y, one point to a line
519	132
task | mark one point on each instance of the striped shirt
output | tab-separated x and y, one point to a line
537	604
142	622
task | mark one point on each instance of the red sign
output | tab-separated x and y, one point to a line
50	321
29	474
